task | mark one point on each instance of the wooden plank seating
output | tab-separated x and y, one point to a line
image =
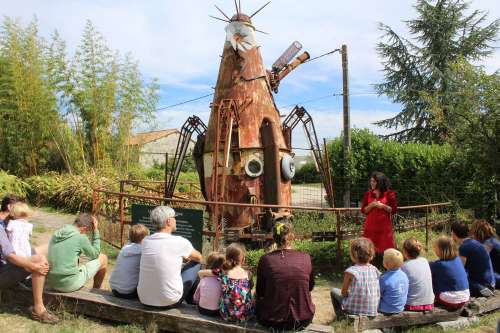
102	304
476	306
481	305
403	319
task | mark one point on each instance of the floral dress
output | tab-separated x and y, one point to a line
236	303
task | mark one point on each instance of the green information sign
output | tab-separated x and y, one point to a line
189	222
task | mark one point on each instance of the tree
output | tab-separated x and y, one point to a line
94	72
136	102
29	111
416	68
475	131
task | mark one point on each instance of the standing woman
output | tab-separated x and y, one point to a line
379	204
284	283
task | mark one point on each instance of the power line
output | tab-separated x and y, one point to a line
184	102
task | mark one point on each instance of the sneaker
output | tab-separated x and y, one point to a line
486	292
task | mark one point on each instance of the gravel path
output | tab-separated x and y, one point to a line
45	223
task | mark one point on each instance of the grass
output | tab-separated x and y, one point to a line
15	320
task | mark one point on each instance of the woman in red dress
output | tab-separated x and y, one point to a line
379	204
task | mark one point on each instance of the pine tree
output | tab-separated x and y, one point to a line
416	69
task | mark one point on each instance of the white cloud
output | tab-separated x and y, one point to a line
177	41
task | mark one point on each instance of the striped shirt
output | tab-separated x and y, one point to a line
364	291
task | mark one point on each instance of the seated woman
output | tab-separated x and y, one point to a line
484	233
284	283
449	279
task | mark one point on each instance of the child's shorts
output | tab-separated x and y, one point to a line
71	283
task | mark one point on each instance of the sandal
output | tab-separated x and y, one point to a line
45	318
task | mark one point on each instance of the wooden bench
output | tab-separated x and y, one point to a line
102	304
403	319
481	305
476	306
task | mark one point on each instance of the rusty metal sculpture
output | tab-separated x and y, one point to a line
246	158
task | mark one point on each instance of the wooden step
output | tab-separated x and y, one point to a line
103	305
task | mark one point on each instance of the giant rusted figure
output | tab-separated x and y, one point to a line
245	156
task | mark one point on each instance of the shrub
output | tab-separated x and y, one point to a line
420	173
69	192
10	184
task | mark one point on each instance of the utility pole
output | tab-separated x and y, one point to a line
347	124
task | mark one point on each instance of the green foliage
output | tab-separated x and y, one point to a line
10	184
475	130
68	192
420	173
67	115
441	33
307	174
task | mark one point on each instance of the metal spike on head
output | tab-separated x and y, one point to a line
220	19
220	10
258	10
237	9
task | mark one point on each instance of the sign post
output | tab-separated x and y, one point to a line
189	222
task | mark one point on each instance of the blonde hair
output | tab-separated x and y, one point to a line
362	250
137	233
20	210
412	247
393	258
481	230
446	248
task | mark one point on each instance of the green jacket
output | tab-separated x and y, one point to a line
65	248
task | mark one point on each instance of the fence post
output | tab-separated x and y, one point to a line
121	204
94	201
427	229
338	254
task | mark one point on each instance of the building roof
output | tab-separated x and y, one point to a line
142	138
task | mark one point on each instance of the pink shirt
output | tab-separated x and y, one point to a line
208	293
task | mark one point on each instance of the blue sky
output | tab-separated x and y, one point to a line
178	43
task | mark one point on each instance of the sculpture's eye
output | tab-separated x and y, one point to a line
254	167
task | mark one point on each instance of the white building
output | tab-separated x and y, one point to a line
153	146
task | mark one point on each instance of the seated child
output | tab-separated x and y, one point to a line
449	279
420	296
125	276
483	232
393	283
209	290
19	230
360	292
476	261
236	303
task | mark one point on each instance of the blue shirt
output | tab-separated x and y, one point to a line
393	291
478	265
494	245
448	275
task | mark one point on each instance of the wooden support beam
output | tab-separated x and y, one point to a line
102	304
404	319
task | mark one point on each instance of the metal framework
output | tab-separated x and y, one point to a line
226	118
192	124
300	115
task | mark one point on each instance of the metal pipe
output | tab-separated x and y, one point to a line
294	64
237	204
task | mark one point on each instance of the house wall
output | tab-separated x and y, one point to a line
149	151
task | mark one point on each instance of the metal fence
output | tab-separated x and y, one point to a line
311	222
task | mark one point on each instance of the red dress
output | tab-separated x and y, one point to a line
378	224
